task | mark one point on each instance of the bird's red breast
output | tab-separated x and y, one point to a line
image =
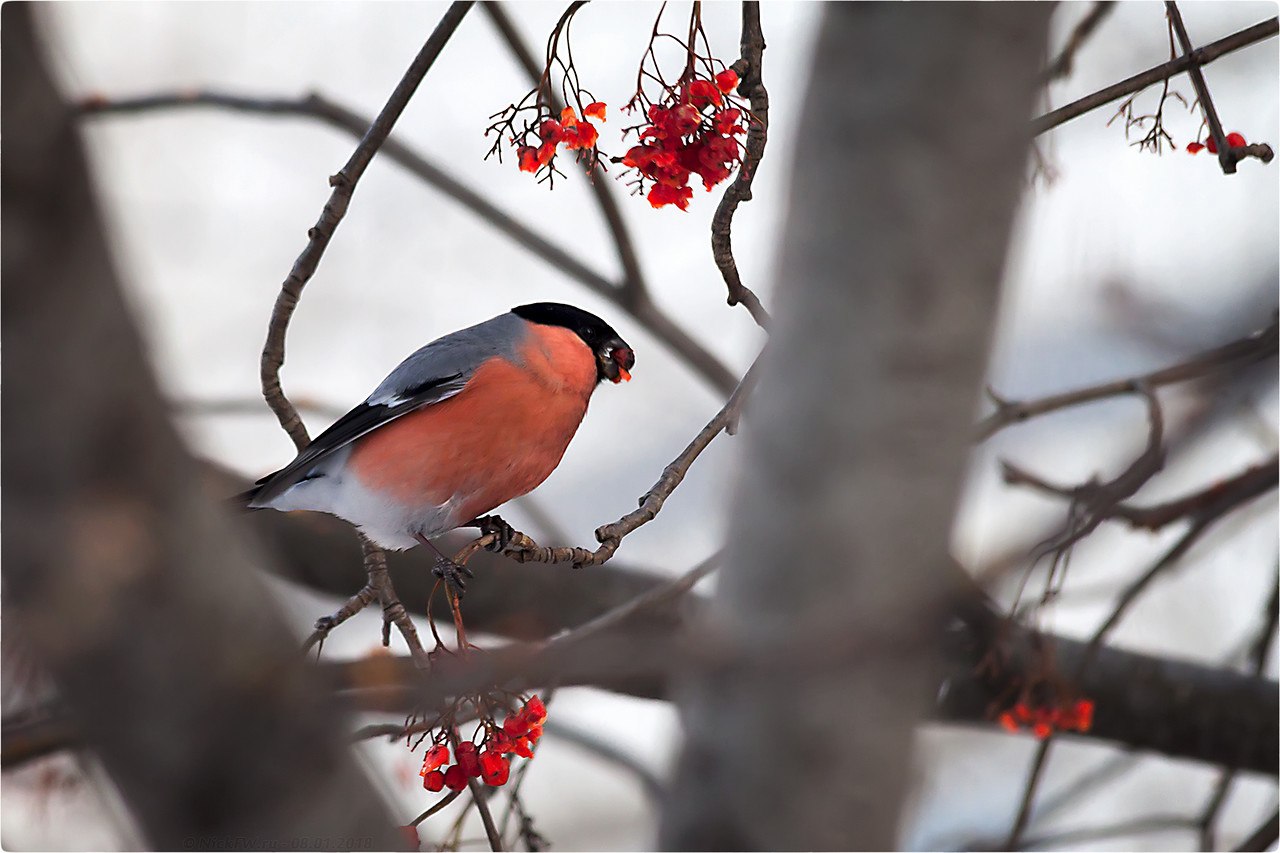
497	439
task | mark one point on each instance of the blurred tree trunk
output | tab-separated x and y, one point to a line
909	168
130	586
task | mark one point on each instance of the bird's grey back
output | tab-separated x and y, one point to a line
459	354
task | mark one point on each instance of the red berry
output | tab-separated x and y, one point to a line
494	768
1041	730
1009	723
433	781
1194	147
454	778
1211	145
1236	140
500	741
464	748
1084	715
470	764
535	734
515	725
437	756
521	747
534	711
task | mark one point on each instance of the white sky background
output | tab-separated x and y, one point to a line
210	208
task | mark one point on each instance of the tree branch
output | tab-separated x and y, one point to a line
750	69
1227	155
1062	64
1233	356
1138	82
344	184
319	107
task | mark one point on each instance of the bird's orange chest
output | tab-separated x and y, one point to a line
497	439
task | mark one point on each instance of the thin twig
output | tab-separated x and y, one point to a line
273	351
344	184
1087	783
480	797
1061	66
438	807
633	283
1235	355
1226	156
1249	483
1137	82
1200	523
749	68
1029	794
655	597
322	108
1093	502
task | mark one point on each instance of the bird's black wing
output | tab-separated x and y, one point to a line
361	420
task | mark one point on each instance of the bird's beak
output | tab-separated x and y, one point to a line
619	359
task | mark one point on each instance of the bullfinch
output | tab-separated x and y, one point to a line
461	426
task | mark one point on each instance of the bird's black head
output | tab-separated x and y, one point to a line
614	358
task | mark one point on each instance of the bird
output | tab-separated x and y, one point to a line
463	425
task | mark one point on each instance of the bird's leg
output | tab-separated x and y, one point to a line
502	532
447	570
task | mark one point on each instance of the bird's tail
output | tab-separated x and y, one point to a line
243	501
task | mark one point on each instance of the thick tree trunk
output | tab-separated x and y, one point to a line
131	587
911	160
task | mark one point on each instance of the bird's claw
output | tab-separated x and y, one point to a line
502	532
451	573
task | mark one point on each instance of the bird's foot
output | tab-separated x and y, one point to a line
451	573
502	532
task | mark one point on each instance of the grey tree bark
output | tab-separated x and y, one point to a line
909	169
125	580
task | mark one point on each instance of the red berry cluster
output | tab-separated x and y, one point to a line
1234	140
518	735
1076	717
693	133
570	131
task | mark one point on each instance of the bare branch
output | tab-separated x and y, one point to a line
319	107
1227	156
1202	520
1237	354
1248	484
480	797
749	69
633	283
1094	502
1201	57
344	184
1061	66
